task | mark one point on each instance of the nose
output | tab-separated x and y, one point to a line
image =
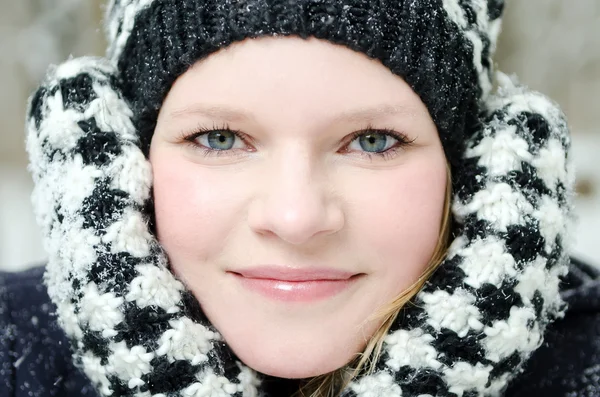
295	203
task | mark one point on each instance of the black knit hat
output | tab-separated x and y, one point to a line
442	49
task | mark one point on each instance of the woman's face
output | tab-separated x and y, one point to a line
294	229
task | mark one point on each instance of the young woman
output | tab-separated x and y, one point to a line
253	198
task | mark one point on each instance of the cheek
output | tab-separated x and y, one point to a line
398	220
194	209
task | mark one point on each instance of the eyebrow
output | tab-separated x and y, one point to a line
371	113
215	111
231	114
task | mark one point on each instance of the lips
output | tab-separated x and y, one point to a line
295	284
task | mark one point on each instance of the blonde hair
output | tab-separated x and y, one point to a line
331	384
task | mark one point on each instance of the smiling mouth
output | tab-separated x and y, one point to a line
295	285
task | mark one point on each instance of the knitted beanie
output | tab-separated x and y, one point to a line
442	49
136	330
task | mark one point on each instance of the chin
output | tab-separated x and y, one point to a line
289	368
292	357
290	373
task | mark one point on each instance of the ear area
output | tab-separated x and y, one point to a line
480	22
523	148
79	133
78	110
77	87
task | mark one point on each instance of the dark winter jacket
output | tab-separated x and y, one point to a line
35	360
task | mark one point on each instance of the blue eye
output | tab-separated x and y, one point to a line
373	142
218	139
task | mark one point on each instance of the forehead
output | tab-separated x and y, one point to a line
291	76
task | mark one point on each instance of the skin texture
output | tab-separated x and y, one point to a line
299	190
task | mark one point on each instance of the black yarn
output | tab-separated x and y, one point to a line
35	110
118	387
468	178
409	317
423	381
474	227
121	267
538	127
447	278
469	12
524	242
495	9
170	376
538	303
95	146
95	343
58	213
454	349
104	206
142	326
77	92
527	181
496	302
193	309
505	365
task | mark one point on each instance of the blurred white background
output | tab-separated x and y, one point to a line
552	45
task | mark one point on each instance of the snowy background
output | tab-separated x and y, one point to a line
552	45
